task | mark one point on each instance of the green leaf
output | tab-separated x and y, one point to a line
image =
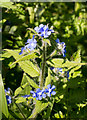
13	53
3	102
48	78
26	57
8	4
47	41
27	89
74	69
27	66
76	56
21	99
49	109
19	89
39	106
6	54
24	79
56	62
13	29
32	83
71	64
77	73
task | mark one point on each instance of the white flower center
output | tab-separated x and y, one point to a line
50	90
40	93
60	46
32	44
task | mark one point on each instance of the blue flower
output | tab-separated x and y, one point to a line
33	94
61	47
8	97
26	96
30	45
58	70
7	92
43	30
40	94
50	91
52	68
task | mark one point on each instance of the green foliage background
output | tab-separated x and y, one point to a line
70	21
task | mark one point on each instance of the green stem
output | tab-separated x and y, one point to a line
20	111
43	65
42	74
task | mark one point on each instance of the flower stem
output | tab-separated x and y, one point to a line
43	65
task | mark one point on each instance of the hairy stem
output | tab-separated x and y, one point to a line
43	65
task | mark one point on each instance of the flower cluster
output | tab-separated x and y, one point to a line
8	97
43	30
39	94
60	72
30	45
61	47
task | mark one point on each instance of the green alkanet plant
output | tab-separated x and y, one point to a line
39	86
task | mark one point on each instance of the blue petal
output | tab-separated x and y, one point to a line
57	40
53	93
51	30
34	95
8	89
46	90
52	68
60	69
25	96
5	90
39	97
64	55
32	92
49	33
49	86
49	94
44	95
53	87
33	37
29	41
36	29
38	90
9	101
36	98
21	51
41	25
